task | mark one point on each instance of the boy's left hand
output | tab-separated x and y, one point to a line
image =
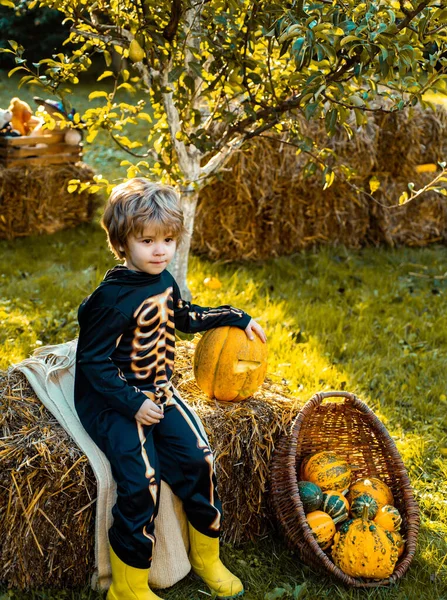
253	326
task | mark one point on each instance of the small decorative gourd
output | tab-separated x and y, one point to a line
311	495
323	527
373	487
335	504
327	470
360	502
399	542
363	549
389	518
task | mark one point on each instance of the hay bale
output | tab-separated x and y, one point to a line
35	200
266	198
48	490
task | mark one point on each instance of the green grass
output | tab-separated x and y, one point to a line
372	321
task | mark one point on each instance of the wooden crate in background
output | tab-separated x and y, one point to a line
23	150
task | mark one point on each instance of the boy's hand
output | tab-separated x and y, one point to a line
149	413
253	326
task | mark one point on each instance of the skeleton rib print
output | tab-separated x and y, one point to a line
153	343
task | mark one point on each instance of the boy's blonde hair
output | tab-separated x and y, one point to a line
139	202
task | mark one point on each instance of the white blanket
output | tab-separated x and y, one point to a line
50	372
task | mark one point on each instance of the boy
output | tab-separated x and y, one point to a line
124	397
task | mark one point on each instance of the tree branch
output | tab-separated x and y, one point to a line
295	101
170	30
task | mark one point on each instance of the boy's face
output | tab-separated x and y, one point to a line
150	251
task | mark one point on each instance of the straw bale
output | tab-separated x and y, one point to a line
418	223
48	490
35	200
47	494
265	206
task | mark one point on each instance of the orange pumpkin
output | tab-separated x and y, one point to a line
228	366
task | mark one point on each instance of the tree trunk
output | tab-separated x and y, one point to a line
179	266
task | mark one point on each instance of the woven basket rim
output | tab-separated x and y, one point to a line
412	509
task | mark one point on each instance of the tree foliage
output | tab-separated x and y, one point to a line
216	73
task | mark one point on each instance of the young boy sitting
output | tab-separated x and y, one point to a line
126	402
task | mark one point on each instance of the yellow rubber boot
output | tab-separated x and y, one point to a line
205	562
128	583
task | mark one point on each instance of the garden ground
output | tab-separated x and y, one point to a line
372	321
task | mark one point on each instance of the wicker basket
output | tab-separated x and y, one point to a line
352	430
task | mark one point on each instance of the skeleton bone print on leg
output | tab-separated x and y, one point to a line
154	337
202	443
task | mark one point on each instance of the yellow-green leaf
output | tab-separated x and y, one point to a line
91	135
107	58
374	184
347	39
403	197
145	117
126	86
97	94
12	71
105	74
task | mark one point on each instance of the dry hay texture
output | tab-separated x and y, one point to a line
264	199
35	200
48	489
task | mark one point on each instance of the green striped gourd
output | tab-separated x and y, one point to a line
311	495
335	504
364	500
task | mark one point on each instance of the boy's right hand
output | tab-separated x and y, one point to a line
149	413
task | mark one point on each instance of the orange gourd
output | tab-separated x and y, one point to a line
373	487
228	366
389	518
323	527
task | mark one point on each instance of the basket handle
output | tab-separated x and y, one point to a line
318	398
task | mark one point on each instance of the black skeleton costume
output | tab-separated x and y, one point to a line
125	355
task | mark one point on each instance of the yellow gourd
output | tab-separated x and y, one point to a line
373	487
363	549
389	518
327	470
399	542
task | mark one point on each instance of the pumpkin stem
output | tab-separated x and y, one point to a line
365	511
